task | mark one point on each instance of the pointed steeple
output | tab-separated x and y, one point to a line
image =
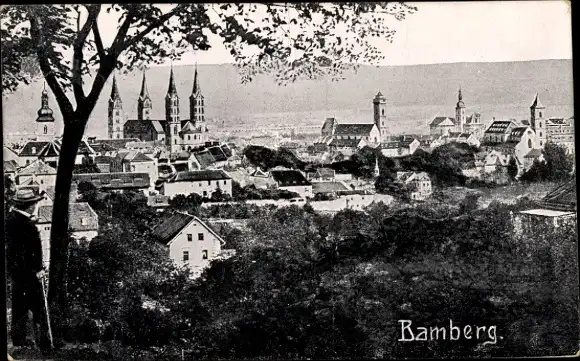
460	103
196	89
144	91
377	169
172	90
459	96
537	104
115	90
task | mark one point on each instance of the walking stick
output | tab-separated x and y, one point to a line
44	295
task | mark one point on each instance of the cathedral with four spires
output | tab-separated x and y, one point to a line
176	133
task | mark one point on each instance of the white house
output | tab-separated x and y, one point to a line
136	162
83	224
421	182
190	242
203	182
293	181
38	173
400	147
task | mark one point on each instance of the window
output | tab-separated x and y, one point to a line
189	137
84	221
33	150
208	182
540	122
45	129
175	141
205	193
189	237
529	143
383	112
204	254
175	131
200	236
117	112
225	182
185	256
540	115
540	134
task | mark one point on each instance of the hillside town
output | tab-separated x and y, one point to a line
177	156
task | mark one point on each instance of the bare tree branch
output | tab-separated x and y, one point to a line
50	77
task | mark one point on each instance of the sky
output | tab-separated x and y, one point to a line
450	32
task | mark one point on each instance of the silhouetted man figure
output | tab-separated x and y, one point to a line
25	267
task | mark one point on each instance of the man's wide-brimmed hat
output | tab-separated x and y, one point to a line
26	196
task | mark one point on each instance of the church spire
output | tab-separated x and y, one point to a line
115	91
144	91
196	89
377	169
172	90
459	96
144	103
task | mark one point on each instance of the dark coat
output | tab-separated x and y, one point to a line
24	247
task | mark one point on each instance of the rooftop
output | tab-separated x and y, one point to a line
289	178
200	175
547	213
354	129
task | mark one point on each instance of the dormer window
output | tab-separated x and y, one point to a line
33	150
84	221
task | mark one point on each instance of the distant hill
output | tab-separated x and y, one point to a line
414	93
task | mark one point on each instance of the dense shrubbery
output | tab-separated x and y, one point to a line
306	285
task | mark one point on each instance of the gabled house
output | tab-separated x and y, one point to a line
189	241
400	147
135	162
420	181
36	172
456	137
346	146
83	224
322	175
203	182
30	151
293	181
442	125
104	163
8	155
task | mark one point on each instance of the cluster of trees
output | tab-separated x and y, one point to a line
267	158
308	285
557	165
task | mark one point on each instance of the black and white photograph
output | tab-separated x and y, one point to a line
289	181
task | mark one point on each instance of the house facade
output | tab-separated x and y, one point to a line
202	182
190	242
400	147
38	173
561	131
83	225
420	181
292	181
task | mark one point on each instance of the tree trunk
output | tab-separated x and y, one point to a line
57	295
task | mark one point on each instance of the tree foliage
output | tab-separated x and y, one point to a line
556	166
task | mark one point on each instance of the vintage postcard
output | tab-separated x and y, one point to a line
303	180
